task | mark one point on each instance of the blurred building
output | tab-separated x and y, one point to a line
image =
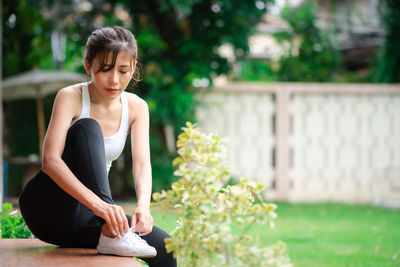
356	27
359	28
313	141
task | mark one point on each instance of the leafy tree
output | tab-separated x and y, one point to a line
310	55
388	70
256	70
178	43
25	37
205	209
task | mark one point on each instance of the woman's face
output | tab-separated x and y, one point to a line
113	82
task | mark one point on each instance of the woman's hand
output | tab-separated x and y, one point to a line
114	216
142	221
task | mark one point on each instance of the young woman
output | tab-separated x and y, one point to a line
68	203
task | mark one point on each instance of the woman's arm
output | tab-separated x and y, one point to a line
142	221
66	107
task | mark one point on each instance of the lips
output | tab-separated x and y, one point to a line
112	90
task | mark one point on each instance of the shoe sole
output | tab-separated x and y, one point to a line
141	256
146	256
138	255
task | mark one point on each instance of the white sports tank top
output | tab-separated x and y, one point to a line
113	144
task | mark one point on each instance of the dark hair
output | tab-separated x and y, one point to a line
113	40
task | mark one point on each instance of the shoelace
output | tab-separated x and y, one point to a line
132	238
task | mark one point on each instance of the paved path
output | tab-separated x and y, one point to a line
33	252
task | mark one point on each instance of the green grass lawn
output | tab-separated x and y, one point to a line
328	234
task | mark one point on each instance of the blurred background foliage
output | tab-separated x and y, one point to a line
311	55
388	69
178	43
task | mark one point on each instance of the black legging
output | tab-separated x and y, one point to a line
57	218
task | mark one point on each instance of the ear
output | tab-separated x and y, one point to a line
87	66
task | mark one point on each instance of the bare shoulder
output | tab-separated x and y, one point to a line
71	97
72	91
137	106
134	99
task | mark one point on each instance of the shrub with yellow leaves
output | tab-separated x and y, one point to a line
206	208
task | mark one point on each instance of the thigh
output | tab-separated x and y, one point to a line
85	156
51	213
48	211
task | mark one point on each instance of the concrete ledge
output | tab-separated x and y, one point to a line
33	252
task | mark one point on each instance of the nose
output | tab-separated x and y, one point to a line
113	77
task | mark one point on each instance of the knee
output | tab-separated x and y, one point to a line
88	126
85	123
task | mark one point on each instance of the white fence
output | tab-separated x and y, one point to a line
309	141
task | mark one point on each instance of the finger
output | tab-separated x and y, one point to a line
147	231
138	221
110	225
150	226
119	226
114	223
125	223
121	220
133	221
139	227
145	225
139	230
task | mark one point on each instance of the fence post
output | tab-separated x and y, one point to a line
282	98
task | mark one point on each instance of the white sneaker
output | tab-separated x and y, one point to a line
129	245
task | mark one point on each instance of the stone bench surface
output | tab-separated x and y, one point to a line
33	252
